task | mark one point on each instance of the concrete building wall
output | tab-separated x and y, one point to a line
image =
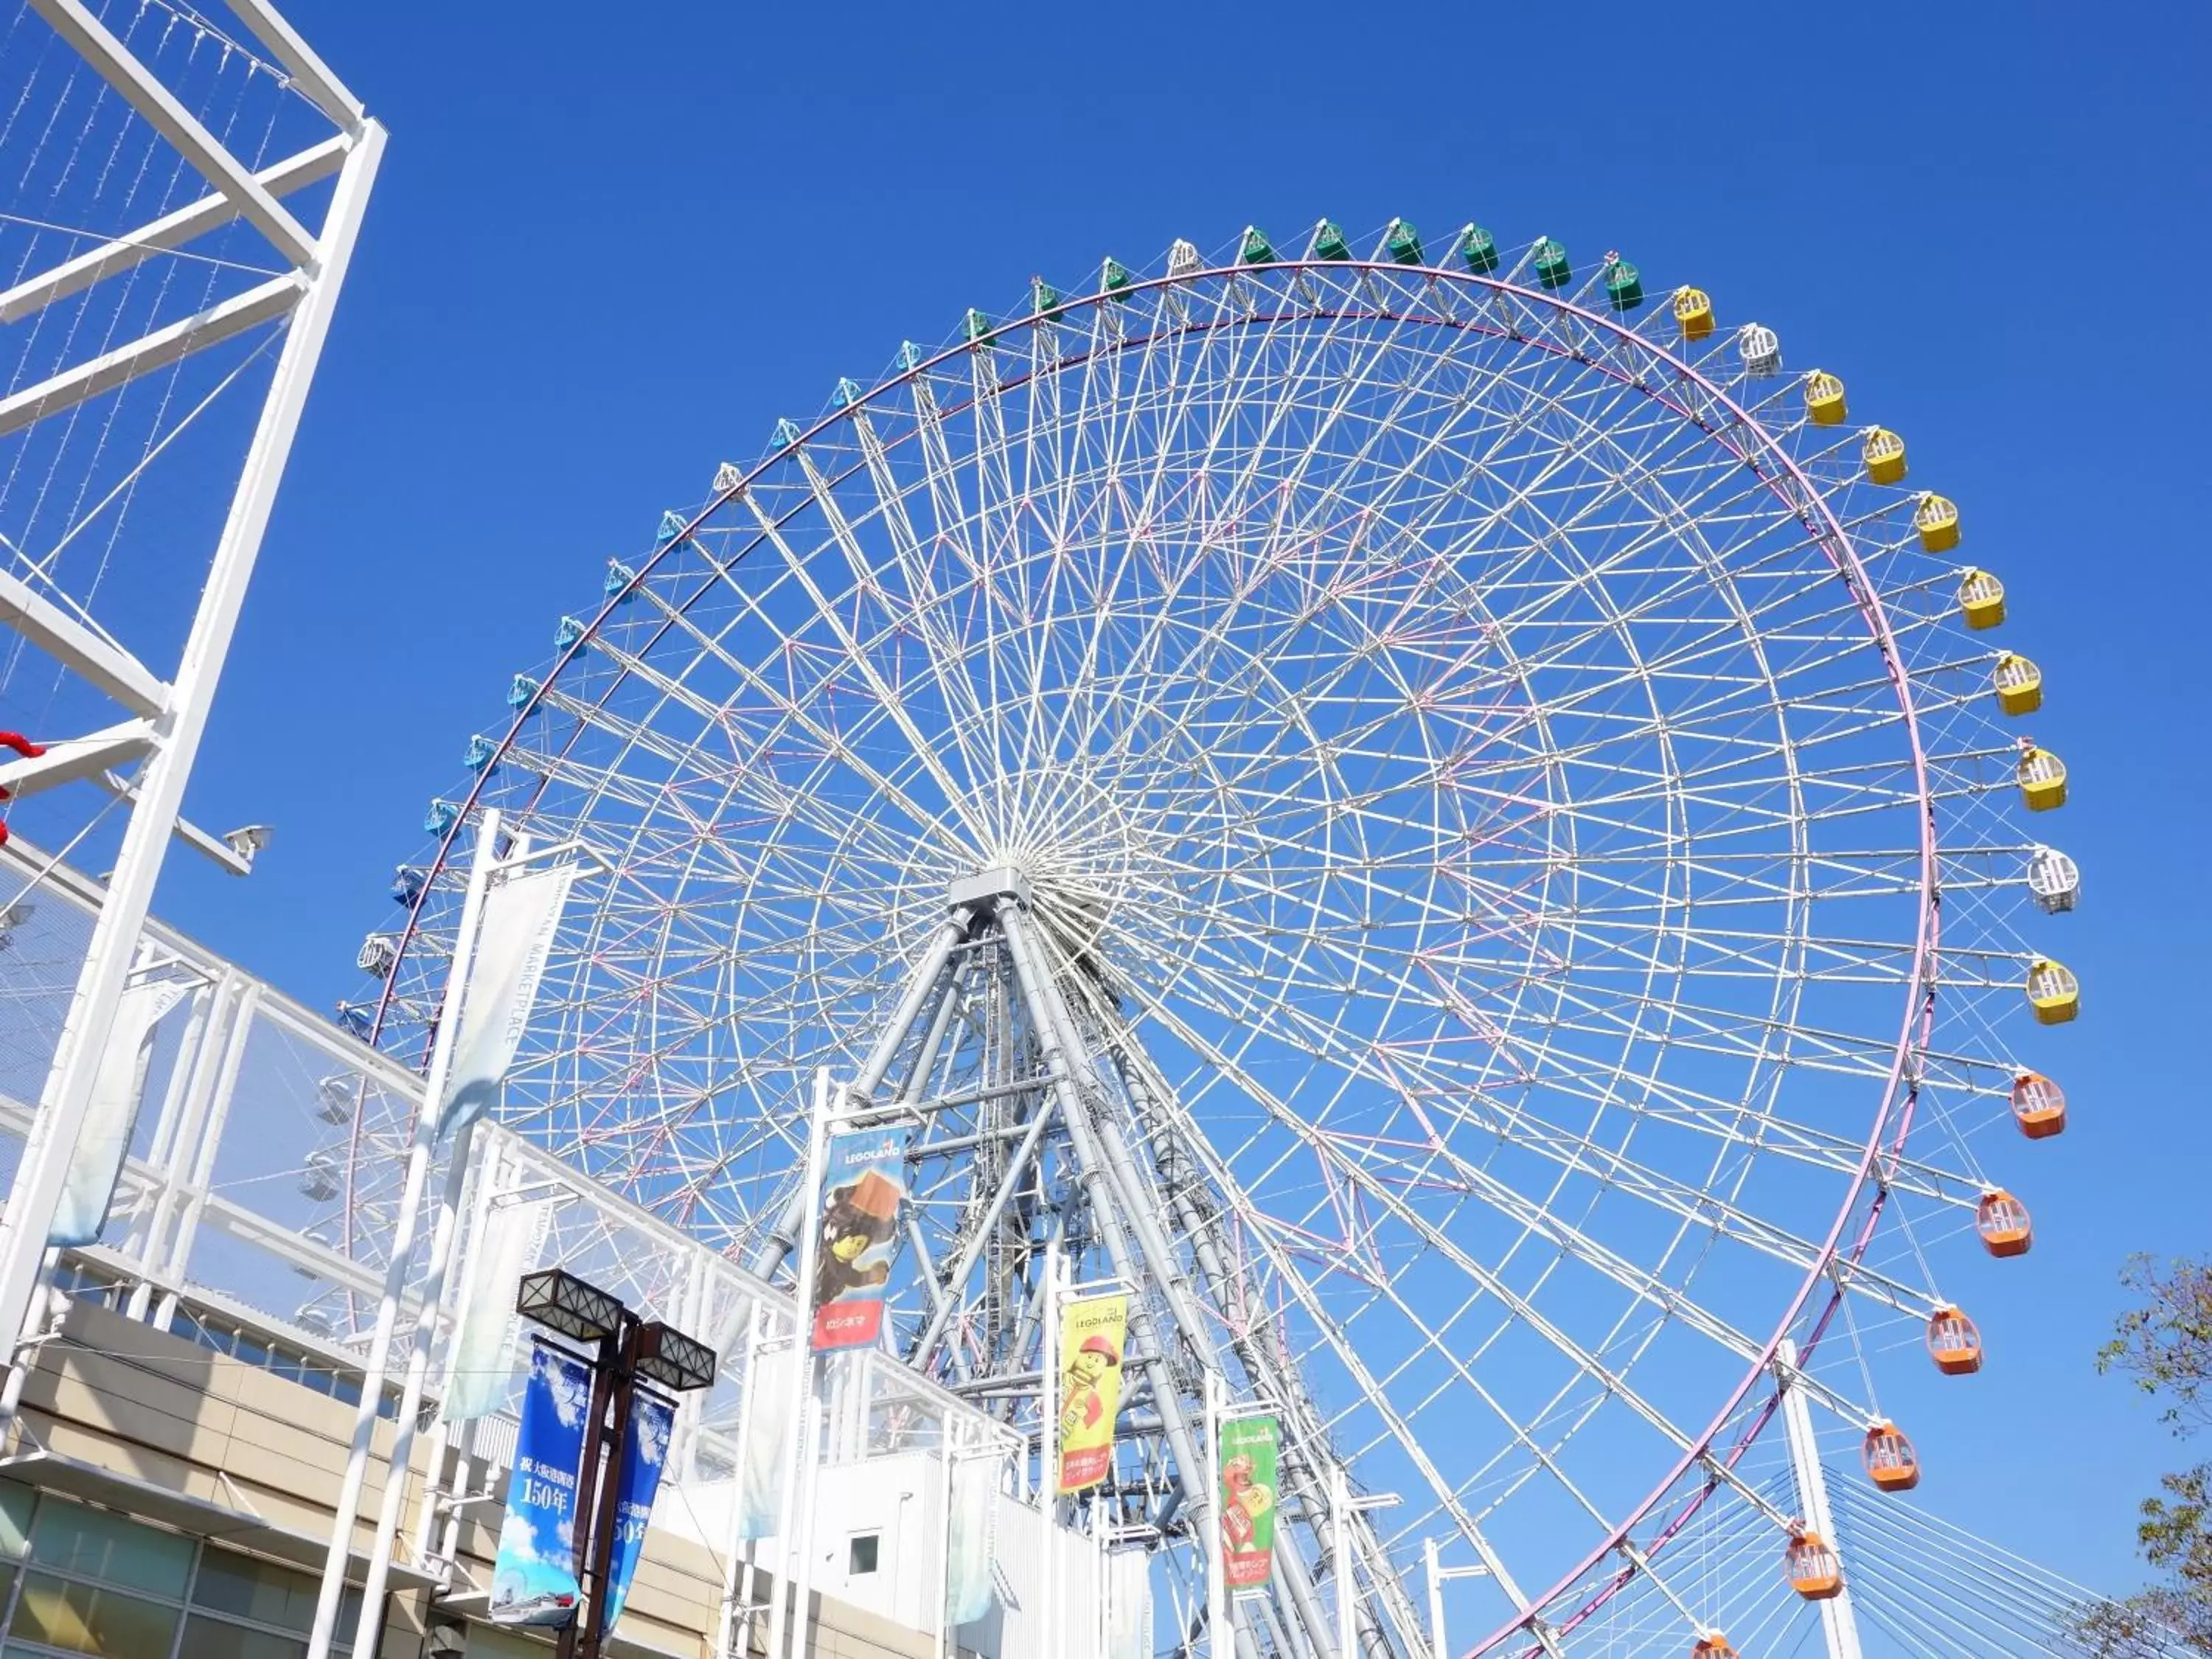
121	1415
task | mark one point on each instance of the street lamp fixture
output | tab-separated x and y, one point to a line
625	1352
560	1301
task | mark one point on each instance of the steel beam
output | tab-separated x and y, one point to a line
75	758
75	23
1098	1190
309	73
170	231
265	304
84	652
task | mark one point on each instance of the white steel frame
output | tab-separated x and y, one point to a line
171	714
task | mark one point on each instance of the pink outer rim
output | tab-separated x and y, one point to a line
1899	1095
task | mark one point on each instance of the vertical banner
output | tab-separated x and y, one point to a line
863	1182
771	1391
117	1086
1090	1337
533	1581
644	1449
1129	1604
482	1359
1249	1446
971	1537
513	942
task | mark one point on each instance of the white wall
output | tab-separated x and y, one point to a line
900	1499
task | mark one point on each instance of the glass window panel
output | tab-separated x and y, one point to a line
91	1543
259	1590
89	1618
212	1638
16	1502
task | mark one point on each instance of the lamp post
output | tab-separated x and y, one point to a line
626	1351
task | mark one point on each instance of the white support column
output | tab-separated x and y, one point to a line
1838	1625
1339	1521
1430	1557
401	1248
1049	1618
1217	1588
793	1526
68	1094
368	1623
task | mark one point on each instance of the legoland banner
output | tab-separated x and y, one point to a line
533	1580
1091	1340
863	1183
644	1449
1249	1446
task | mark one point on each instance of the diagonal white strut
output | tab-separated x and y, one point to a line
1838	1625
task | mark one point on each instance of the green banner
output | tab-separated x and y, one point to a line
1249	1446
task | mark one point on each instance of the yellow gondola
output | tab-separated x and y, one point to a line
1824	399
1883	455
1694	312
1981	599
2053	991
2042	778
1936	518
2019	685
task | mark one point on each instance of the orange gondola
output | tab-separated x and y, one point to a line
2039	1106
1953	1342
1712	1646
1814	1572
2002	1222
1891	1462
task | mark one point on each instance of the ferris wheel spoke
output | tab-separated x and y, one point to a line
1586	1363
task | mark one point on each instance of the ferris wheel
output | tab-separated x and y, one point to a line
1461	829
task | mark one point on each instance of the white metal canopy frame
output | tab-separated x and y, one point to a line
1403	810
163	303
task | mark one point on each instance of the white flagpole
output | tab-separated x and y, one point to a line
791	1547
1436	1599
734	1637
403	1244
1217	1590
1049	1463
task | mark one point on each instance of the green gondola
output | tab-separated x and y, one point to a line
977	327
1044	298
1480	249
1403	242
1624	287
1115	278
1329	241
1257	249
1553	268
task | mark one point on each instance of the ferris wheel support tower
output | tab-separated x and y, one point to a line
167	718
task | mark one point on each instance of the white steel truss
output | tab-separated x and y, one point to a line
93	337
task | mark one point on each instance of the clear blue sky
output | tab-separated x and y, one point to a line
603	256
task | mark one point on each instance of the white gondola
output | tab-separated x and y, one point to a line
1760	348
335	1097
1183	257
319	1180
376	954
2054	878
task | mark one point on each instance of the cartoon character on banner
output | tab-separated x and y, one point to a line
857	1218
1083	1403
